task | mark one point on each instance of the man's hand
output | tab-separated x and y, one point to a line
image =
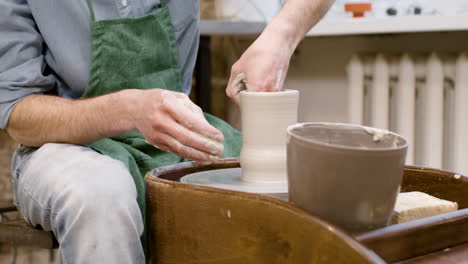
173	123
168	120
262	67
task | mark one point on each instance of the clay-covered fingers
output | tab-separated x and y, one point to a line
168	143
198	124
191	117
194	140
184	122
237	82
171	122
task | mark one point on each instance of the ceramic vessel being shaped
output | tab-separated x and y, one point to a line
265	118
347	174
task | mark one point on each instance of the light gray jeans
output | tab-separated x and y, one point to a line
87	199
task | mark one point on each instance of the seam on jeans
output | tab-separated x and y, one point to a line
35	200
18	207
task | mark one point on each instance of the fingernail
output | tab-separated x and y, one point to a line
214	158
216	148
154	145
218	137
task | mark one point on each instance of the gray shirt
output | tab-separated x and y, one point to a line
45	45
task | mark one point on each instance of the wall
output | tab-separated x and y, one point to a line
317	69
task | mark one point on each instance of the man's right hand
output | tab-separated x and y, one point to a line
172	122
168	120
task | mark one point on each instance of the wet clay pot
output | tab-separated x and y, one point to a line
265	118
347	174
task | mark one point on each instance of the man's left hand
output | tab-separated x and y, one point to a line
262	67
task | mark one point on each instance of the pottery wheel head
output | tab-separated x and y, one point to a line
230	179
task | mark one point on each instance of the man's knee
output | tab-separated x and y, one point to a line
104	184
67	179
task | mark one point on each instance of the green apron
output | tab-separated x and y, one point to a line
140	53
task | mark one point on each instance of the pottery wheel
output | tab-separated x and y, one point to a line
230	179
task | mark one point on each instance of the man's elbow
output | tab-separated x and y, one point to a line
22	137
15	135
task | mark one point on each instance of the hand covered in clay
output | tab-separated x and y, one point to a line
262	67
171	122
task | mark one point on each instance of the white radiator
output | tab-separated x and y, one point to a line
423	97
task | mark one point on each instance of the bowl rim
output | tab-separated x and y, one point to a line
290	133
278	93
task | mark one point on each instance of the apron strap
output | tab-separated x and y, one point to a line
91	10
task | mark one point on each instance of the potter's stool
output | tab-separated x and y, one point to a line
20	233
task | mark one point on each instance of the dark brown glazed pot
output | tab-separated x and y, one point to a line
341	173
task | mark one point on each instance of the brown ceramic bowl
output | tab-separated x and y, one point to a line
347	174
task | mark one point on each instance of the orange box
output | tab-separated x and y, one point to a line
358	9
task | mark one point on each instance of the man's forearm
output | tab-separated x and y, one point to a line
166	119
40	119
297	17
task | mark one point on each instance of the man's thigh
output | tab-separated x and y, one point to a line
64	177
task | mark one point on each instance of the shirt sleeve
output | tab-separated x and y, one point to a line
22	65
